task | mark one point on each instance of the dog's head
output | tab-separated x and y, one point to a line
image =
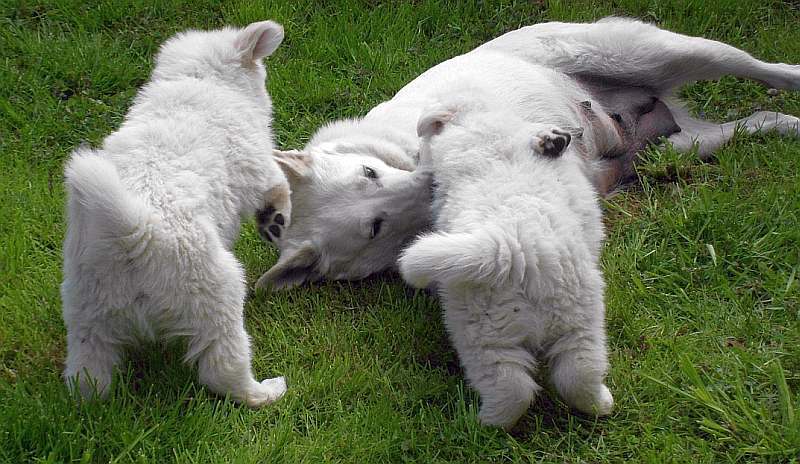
231	55
351	215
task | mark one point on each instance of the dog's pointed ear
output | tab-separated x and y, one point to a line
295	267
295	164
432	122
259	40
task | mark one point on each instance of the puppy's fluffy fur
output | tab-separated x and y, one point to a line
515	257
153	215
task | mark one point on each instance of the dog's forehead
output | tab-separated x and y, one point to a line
334	157
197	44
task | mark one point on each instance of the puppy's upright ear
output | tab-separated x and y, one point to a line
295	267
259	40
295	164
432	122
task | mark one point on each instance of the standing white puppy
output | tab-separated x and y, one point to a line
515	257
154	213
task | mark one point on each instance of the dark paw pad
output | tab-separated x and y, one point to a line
553	145
269	223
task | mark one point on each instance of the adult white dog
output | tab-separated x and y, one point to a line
515	257
356	200
153	215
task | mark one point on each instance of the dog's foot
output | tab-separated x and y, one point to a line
273	220
552	142
598	402
783	76
266	392
270	223
85	387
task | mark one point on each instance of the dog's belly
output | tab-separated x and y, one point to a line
642	118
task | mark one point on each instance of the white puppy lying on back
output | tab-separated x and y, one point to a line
515	257
154	213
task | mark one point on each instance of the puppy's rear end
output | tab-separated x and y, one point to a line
478	274
144	262
109	238
515	262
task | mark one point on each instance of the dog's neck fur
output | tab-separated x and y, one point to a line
383	141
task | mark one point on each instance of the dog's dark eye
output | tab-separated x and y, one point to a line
370	173
376	227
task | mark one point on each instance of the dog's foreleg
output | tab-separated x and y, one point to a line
276	214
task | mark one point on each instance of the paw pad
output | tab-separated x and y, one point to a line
270	223
554	144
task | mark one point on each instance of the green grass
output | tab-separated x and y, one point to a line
702	262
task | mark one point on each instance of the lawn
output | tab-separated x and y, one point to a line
701	261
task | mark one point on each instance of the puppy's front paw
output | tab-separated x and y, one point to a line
273	220
551	143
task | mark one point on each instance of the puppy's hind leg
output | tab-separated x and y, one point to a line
92	355
578	366
500	369
507	391
219	341
276	215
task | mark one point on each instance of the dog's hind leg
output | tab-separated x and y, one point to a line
708	136
578	366
625	52
218	340
507	391
496	362
92	354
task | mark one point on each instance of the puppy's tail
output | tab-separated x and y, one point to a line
487	256
94	184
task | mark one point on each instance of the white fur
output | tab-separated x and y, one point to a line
533	73
154	213
515	258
